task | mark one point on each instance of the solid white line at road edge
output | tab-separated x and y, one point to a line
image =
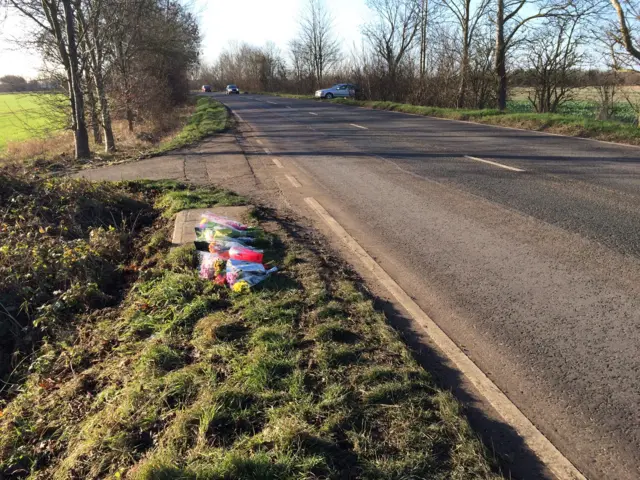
293	181
358	126
495	164
557	463
277	163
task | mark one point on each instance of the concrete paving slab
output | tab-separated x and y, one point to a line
186	221
218	160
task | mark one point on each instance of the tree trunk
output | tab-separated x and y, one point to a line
110	143
129	115
95	124
464	65
424	8
501	68
424	18
81	135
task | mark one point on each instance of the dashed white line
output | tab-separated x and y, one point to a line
358	126
311	113
557	463
293	181
495	164
259	141
289	106
277	163
267	151
272	103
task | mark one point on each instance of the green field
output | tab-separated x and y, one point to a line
24	116
584	102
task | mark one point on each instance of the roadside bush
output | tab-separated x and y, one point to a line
62	243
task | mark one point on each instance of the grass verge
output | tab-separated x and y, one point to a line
209	117
177	378
552	123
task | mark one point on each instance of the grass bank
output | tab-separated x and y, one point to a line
208	118
552	123
173	377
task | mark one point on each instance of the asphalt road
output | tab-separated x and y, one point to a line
523	247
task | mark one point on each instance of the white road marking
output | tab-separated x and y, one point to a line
259	141
557	463
267	151
311	113
277	162
289	106
272	103
495	164
359	126
293	181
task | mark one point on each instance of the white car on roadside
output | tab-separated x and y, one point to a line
338	90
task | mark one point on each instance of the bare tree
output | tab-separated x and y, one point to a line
320	47
394	32
608	89
510	17
468	14
94	29
623	35
554	58
299	63
481	74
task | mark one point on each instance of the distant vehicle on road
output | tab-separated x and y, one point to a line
232	89
206	88
338	90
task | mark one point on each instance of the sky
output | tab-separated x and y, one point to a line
14	60
221	22
258	21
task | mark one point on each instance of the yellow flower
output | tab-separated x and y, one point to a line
241	287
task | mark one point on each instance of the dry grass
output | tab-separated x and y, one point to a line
56	145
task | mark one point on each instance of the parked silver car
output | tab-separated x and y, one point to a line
339	90
232	89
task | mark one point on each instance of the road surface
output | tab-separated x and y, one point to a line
523	247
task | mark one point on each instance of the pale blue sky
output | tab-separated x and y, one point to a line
221	21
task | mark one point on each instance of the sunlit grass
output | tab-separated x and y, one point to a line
30	115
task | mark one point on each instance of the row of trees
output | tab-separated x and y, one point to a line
16	83
128	58
450	53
